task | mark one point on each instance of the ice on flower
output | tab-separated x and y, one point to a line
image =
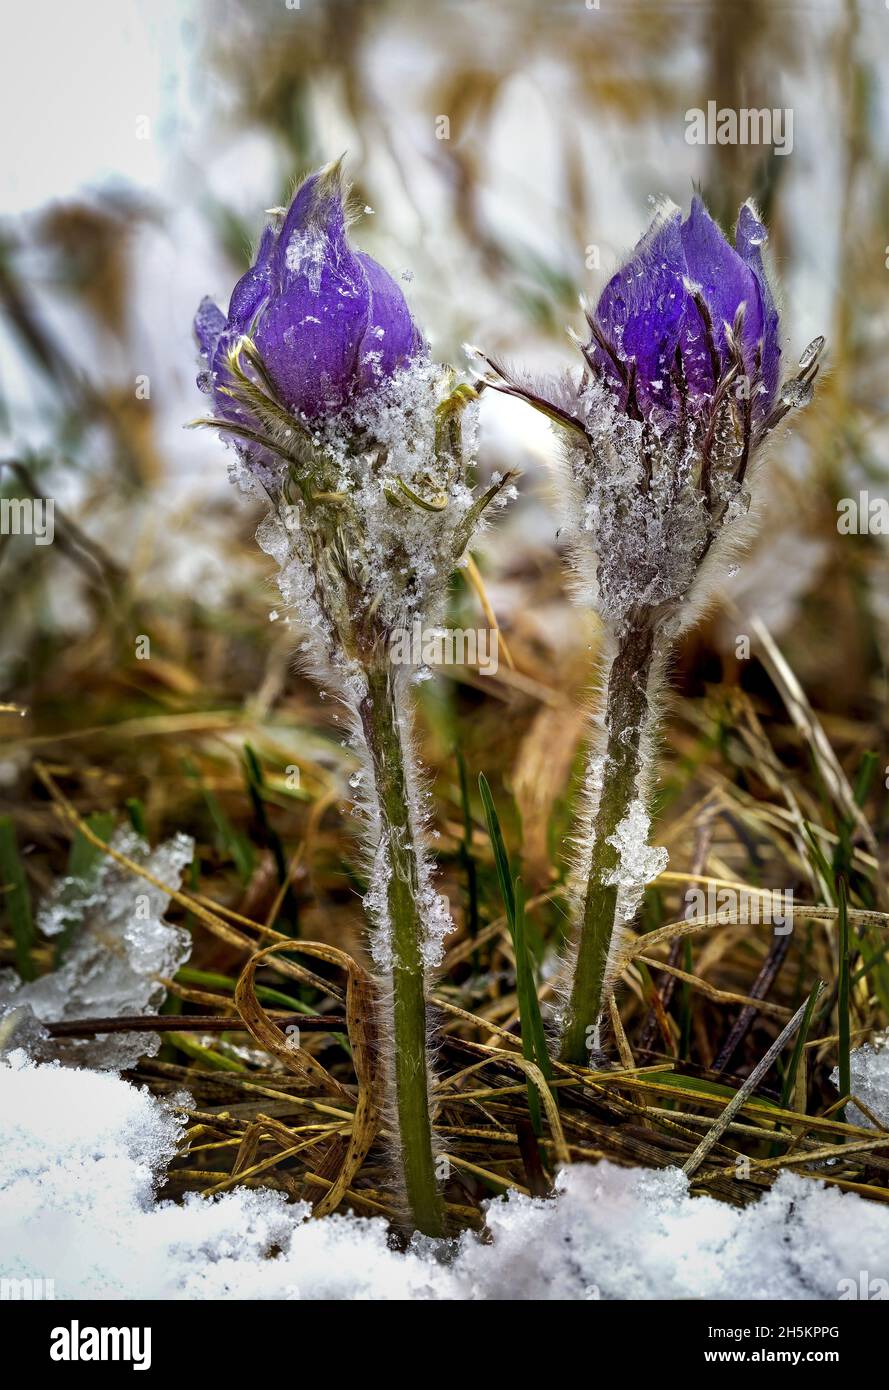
679	390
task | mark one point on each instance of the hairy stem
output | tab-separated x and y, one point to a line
626	715
385	740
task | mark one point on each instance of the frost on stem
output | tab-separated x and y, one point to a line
637	863
369	512
366	539
663	427
361	447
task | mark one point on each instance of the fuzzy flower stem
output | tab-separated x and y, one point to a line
680	388
382	722
626	717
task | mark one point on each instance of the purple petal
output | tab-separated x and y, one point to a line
750	237
640	310
311	330
209	326
314	230
253	288
391	338
725	281
326	321
309	336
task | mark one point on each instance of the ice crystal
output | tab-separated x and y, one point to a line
663	426
117	948
869	1066
811	352
797	394
638	863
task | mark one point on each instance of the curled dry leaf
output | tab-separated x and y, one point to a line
360	1021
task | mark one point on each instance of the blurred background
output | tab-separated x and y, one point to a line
506	155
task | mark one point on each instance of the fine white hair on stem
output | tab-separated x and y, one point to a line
369	513
656	503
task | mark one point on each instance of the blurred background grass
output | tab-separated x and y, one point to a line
145	142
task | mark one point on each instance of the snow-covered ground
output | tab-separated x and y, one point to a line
83	1152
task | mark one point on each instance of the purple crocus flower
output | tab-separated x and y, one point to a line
681	386
663	326
327	322
661	432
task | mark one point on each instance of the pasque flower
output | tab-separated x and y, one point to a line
662	427
358	443
664	332
327	321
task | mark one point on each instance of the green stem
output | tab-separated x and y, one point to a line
380	719
626	715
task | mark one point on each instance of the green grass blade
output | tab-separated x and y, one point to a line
237	845
501	859
865	775
524	987
799	1044
531	1029
17	899
532	1014
844	1064
817	859
467	859
700	1085
213	1061
212	979
136	813
255	787
83	855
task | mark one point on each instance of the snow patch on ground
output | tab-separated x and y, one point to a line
83	1153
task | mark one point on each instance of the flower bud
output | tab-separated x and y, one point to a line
668	324
328	322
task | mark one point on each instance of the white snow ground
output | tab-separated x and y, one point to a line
82	1152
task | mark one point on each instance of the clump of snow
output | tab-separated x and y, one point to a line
869	1067
306	253
401	553
84	1152
118	950
618	1233
638	862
